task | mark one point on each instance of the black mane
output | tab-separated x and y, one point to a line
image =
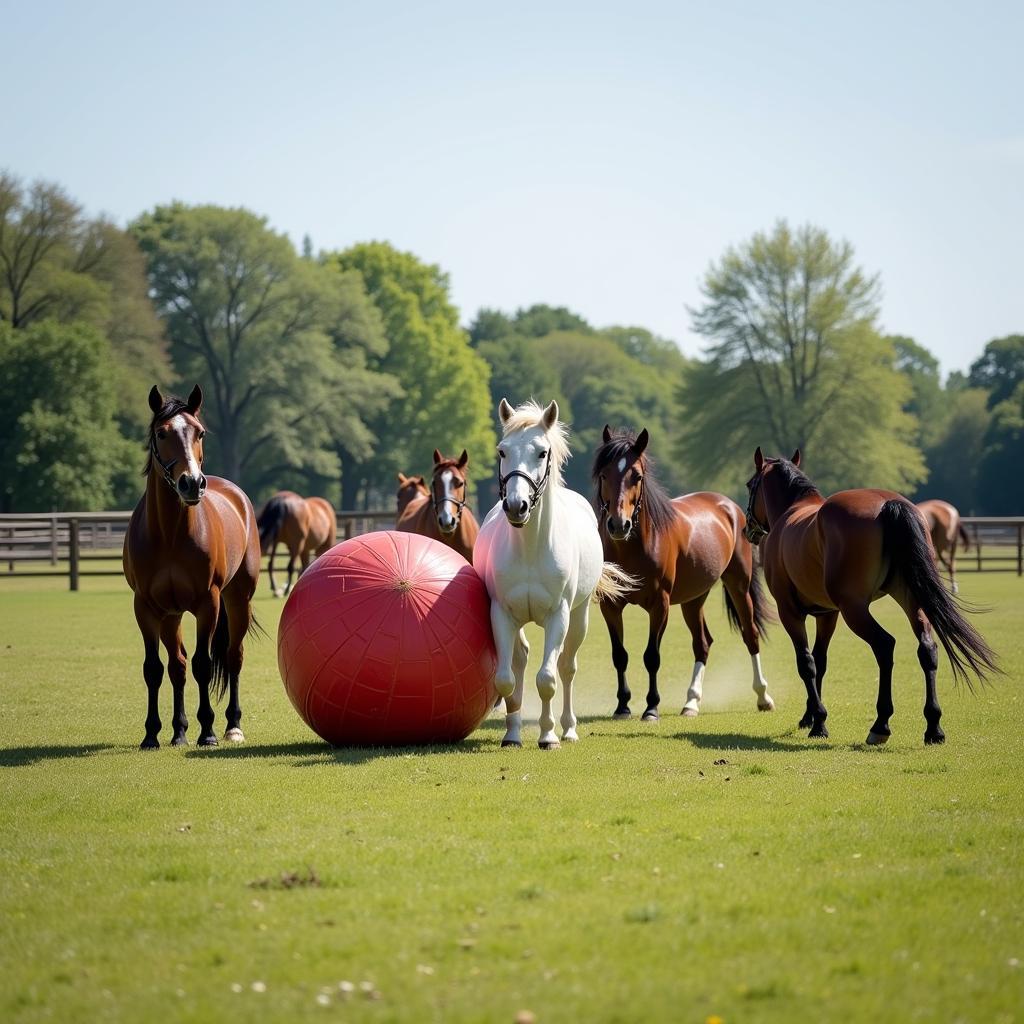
798	484
657	505
171	407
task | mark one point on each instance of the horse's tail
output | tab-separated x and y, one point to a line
219	654
271	520
614	583
906	543
964	538
762	613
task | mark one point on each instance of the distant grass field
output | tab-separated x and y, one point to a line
724	867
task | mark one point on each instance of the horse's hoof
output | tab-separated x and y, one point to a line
549	744
623	714
819	732
805	723
650	715
876	739
511	743
767	706
179	741
570	737
234	735
207	741
689	712
935	737
150	744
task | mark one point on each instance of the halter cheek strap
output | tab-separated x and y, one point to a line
439	503
536	489
755	530
166	467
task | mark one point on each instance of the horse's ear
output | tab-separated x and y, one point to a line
438	457
607	433
156	400
505	411
403	479
758	459
550	417
195	400
796	458
463	459
640	444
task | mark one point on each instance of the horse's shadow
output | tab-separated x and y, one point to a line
308	753
20	757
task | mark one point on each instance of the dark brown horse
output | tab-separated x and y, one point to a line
306	526
441	511
192	546
834	556
678	548
944	525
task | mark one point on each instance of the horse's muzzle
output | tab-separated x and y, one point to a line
191	489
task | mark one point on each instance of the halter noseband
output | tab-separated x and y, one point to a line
536	489
755	531
634	519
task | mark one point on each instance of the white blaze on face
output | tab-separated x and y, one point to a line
180	426
622	464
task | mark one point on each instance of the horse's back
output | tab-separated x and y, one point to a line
323	524
943	521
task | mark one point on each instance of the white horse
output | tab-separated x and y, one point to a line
540	554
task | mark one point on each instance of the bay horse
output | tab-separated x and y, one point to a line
943	521
306	526
540	556
192	546
678	548
834	556
440	511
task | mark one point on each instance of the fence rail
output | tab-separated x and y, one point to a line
60	544
67	541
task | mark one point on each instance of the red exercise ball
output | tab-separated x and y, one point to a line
386	640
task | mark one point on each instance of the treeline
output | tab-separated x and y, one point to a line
328	373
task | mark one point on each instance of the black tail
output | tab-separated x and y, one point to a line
219	655
906	543
270	520
762	613
963	536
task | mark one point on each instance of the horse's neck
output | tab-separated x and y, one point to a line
539	532
166	516
778	505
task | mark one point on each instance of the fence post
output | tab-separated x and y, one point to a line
977	547
1020	549
73	553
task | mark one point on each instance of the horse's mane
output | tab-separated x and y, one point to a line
656	502
798	484
530	414
171	407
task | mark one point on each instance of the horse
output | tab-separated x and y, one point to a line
306	526
539	554
192	546
834	556
944	525
440	511
678	548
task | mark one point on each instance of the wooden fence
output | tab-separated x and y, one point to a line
77	544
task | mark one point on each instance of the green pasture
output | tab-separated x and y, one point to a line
724	867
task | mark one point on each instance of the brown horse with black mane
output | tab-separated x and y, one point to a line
834	556
191	546
678	548
944	525
439	511
306	526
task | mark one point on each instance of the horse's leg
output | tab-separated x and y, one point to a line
556	627
506	635
928	658
202	666
152	671
270	570
795	625
513	705
952	574
693	616
858	617
824	627
574	637
658	613
292	552
737	585
177	670
612	613
239	612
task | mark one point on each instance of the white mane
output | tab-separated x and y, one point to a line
530	414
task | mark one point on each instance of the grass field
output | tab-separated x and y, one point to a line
724	867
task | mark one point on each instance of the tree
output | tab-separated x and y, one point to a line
445	400
926	403
59	444
281	344
1000	368
955	455
794	361
1000	481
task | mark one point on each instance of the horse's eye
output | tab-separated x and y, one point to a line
543	455
161	434
501	453
200	435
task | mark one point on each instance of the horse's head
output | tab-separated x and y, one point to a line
619	469
532	450
176	443
409	488
758	524
448	490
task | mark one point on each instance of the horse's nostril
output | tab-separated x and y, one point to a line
202	483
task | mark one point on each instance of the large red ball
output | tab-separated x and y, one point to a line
386	639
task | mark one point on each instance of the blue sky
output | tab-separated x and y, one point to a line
593	155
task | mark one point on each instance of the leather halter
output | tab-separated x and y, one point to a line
755	531
634	519
165	466
439	503
536	489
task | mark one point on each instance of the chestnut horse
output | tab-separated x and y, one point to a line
306	526
945	528
678	548
410	489
834	556
192	546
441	511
